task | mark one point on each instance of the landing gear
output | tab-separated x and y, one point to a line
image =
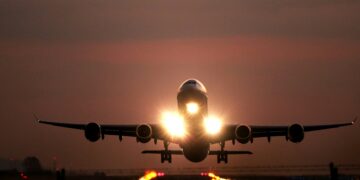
222	156
166	155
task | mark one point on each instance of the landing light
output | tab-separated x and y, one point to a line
174	124
149	175
215	177
192	108
212	125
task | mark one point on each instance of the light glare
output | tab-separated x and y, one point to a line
174	124
149	175
215	177
192	108
212	125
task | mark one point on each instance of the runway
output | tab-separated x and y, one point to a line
213	173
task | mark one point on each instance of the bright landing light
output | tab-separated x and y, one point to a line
174	124
192	108
150	175
212	125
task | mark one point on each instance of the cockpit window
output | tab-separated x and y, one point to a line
192	83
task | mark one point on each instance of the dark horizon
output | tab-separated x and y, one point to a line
122	62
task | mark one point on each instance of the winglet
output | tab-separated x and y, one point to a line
36	118
354	121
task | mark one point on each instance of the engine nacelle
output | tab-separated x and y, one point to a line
243	133
143	133
295	133
92	132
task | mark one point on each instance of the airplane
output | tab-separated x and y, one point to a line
193	129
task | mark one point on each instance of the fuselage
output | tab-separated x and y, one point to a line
193	106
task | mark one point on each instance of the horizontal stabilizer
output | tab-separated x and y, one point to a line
175	152
229	152
180	152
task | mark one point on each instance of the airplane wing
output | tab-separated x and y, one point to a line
118	130
255	131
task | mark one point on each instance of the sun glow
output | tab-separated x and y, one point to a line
192	107
174	124
212	125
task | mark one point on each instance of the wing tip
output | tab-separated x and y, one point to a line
37	120
355	119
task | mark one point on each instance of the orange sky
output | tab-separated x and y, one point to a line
229	49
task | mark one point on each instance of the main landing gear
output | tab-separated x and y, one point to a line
222	155
166	155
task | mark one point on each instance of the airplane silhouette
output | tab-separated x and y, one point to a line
193	129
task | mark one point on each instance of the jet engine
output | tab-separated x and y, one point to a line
243	133
92	132
295	133
143	133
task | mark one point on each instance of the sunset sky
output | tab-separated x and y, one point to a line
263	62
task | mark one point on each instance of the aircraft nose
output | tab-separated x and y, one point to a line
192	84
